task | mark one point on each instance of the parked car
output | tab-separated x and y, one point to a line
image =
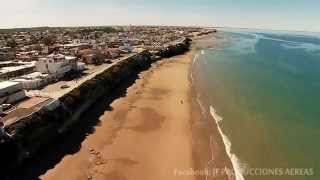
108	61
6	106
65	86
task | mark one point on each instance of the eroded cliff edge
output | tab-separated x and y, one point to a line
34	132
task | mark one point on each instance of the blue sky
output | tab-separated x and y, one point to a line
269	14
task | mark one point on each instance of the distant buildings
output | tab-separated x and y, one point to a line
91	56
34	62
32	59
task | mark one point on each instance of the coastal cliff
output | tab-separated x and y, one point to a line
32	133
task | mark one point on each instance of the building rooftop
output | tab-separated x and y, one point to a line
5	62
24	109
56	56
15	68
6	84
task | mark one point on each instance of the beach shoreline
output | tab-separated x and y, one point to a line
209	151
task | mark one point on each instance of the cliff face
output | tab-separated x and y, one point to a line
175	49
106	81
34	132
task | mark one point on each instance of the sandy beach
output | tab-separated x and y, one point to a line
147	134
155	131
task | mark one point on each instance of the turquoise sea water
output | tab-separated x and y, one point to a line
263	90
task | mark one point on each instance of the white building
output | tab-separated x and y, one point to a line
81	66
56	64
34	80
11	71
49	69
126	47
11	92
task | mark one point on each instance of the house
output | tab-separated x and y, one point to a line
126	47
9	72
112	53
37	80
56	64
34	80
11	92
91	56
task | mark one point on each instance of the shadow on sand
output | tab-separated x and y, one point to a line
71	142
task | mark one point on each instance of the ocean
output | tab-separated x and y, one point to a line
262	89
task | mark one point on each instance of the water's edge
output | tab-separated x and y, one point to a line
218	144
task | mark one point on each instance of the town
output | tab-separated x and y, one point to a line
57	73
40	63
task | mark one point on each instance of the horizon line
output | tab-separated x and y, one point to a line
155	25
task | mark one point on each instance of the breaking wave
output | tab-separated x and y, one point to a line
236	164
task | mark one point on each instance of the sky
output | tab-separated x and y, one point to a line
301	15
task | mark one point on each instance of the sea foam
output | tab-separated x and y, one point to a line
236	164
192	66
202	108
